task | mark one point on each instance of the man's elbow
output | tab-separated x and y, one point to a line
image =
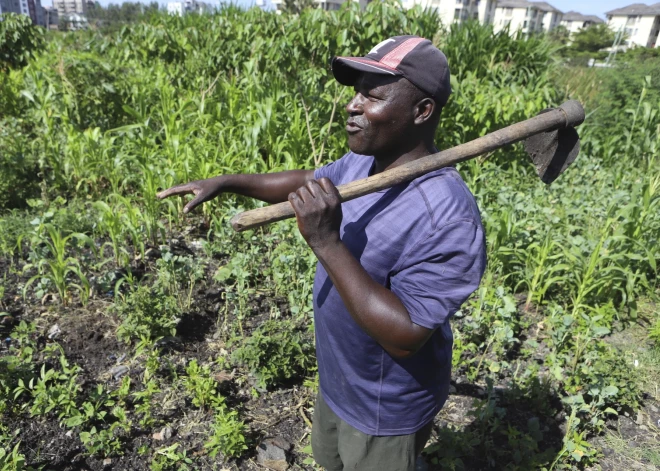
409	345
403	353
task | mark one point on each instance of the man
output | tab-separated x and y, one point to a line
394	266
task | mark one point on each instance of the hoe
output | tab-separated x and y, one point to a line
550	140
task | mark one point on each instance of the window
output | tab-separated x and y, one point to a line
525	24
459	2
508	11
457	13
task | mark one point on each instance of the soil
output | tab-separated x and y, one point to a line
88	337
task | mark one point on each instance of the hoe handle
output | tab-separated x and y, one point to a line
568	114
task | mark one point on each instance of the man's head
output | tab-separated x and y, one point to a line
400	89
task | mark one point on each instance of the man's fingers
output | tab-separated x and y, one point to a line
295	201
304	194
329	187
184	189
312	187
193	203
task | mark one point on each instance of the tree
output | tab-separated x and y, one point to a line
296	6
19	40
560	34
592	38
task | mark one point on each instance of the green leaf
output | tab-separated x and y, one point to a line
610	391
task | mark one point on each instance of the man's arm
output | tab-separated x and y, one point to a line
268	187
373	307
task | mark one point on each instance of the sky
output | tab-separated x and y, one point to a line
587	7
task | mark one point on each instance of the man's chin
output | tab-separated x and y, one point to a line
356	148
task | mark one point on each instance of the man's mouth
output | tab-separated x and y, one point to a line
352	127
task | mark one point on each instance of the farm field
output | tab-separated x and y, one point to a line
135	337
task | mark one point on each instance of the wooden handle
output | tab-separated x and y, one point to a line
568	114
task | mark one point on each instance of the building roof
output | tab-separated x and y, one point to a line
513	4
543	6
636	9
576	16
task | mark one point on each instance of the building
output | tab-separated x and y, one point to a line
328	5
574	21
486	10
51	18
187	6
518	14
551	17
525	16
639	22
10	6
31	8
67	7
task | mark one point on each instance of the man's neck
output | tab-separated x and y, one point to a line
400	157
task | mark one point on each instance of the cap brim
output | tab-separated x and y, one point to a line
347	69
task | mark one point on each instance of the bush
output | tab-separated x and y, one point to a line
147	313
277	351
19	40
18	168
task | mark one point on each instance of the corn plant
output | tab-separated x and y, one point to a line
58	267
538	268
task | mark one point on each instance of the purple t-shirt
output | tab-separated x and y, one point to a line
424	241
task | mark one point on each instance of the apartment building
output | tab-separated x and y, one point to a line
31	8
457	11
550	16
526	16
68	7
51	18
639	22
188	6
574	21
328	5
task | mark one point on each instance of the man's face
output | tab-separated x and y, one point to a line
380	115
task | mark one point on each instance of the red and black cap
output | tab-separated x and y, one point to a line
412	57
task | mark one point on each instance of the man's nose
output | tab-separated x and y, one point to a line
355	105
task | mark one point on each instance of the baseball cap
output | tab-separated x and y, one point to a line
411	57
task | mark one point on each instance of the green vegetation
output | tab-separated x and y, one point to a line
171	341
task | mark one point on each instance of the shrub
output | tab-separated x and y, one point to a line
19	40
18	167
277	351
147	313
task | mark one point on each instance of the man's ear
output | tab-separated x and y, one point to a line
424	110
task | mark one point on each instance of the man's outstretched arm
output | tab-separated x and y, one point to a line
373	307
268	187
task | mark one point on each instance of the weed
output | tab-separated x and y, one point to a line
146	312
277	351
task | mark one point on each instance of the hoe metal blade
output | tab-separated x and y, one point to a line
553	151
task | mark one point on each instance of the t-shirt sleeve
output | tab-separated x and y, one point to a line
333	171
440	273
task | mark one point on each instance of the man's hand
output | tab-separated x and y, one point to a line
204	190
318	212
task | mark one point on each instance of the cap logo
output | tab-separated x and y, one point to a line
381	44
396	55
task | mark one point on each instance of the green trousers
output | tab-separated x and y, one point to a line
337	446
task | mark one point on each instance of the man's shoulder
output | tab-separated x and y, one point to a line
447	198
